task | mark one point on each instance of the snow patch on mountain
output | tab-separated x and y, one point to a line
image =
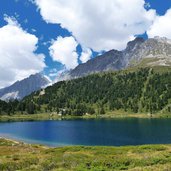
10	96
25	87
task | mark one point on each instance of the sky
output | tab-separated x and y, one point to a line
51	36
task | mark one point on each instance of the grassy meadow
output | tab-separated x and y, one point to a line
108	115
24	157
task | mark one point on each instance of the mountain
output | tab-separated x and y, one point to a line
153	52
112	60
139	52
22	88
144	90
151	90
62	76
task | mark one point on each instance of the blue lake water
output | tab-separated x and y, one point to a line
102	132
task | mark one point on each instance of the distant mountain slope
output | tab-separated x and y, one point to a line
22	88
144	90
112	60
155	52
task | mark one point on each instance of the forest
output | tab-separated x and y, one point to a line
138	91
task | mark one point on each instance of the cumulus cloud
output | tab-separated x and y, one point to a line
85	55
18	59
98	25
161	26
63	50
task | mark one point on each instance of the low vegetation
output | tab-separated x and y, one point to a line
23	157
45	116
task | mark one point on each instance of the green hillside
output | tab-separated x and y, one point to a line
141	90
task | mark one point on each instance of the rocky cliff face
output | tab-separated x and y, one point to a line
156	50
111	60
22	88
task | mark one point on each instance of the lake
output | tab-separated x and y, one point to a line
100	132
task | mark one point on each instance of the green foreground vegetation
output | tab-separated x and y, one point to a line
19	156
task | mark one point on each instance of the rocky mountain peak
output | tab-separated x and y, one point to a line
156	47
133	44
157	50
162	39
108	61
22	88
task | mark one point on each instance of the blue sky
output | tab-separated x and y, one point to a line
160	6
36	22
28	17
26	14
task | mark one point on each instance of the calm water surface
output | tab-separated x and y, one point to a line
115	132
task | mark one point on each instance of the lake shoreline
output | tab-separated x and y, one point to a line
16	141
46	116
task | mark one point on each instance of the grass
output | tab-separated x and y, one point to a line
28	117
20	156
113	114
123	114
146	63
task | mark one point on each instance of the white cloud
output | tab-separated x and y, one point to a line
53	72
99	25
63	50
17	57
161	26
85	55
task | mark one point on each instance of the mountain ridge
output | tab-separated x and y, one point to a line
144	90
22	88
138	53
158	49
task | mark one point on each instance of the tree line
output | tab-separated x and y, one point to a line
141	91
